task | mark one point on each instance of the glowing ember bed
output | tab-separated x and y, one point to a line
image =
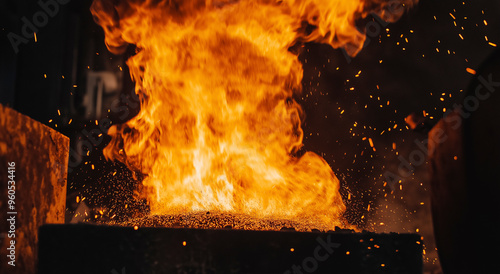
113	249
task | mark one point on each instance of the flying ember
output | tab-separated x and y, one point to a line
218	128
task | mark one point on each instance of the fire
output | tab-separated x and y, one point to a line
218	128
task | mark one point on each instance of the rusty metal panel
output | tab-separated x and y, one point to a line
38	159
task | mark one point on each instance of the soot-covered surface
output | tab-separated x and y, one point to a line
112	249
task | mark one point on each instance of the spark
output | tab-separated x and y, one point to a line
471	71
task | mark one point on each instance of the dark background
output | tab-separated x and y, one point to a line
417	64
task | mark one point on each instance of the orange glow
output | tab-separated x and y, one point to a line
471	71
218	128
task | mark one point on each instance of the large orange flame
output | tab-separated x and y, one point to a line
218	129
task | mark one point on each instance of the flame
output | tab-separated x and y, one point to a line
218	127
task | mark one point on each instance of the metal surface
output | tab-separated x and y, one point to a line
40	157
464	157
108	249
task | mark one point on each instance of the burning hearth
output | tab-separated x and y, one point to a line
219	129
